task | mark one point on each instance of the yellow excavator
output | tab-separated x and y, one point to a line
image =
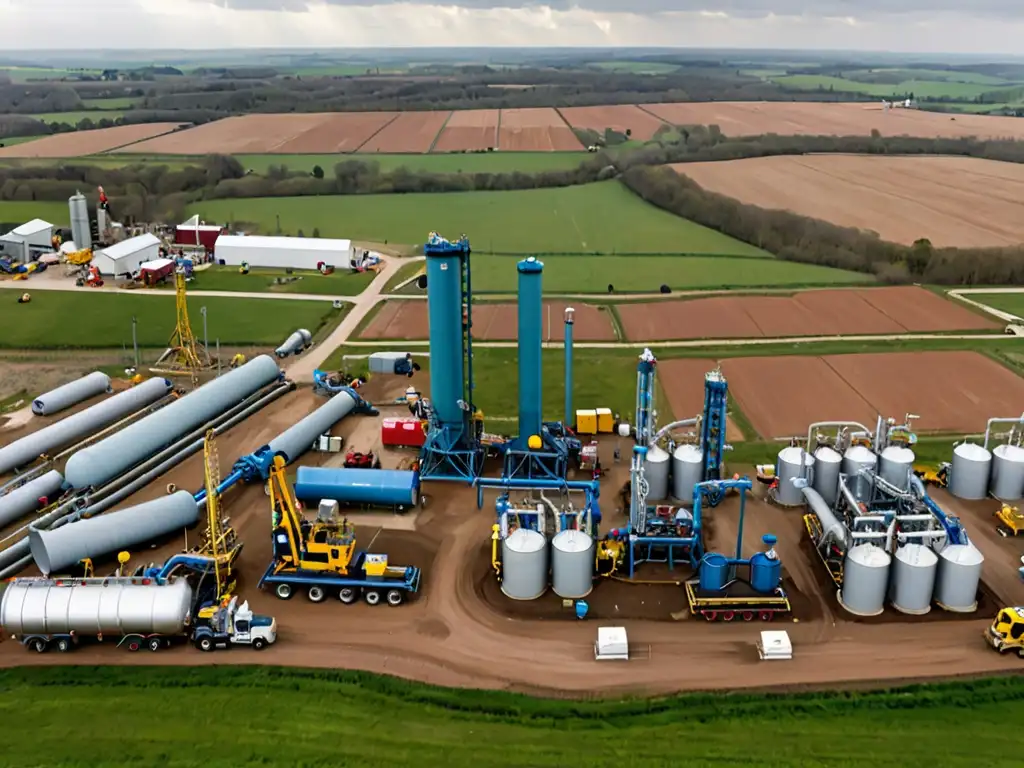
1010	521
933	475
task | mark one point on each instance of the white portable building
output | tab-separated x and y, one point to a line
775	644
611	644
126	257
23	242
283	252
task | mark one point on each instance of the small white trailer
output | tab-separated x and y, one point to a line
611	644
774	644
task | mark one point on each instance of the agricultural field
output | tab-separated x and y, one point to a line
922	89
456	162
74	118
469	131
623	118
595	218
26	74
10	141
16	212
341	283
413	132
635	67
952	201
533	130
51	320
80	143
123	102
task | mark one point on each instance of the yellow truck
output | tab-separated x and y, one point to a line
1007	631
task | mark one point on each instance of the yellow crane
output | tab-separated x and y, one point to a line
185	353
220	543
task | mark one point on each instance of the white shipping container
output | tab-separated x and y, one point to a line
283	252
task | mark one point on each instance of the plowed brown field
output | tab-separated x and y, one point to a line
469	131
491	322
951	391
535	130
409	132
621	118
314	133
682	381
952	201
81	143
751	118
807	313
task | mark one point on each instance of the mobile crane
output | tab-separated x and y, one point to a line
320	556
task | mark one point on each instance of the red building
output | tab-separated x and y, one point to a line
194	232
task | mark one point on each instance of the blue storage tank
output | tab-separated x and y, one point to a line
765	573
714	572
531	320
447	353
372	487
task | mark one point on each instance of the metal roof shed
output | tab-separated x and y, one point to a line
37	233
283	252
127	256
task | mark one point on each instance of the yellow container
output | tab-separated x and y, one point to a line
586	422
605	422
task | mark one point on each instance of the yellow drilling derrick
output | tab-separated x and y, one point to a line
184	354
220	542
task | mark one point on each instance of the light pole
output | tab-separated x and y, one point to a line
135	341
206	337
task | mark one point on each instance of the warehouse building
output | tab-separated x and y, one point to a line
198	233
26	242
283	252
126	257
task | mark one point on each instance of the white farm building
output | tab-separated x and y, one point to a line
282	252
25	242
126	257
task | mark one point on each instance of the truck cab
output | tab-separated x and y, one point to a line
1007	631
235	624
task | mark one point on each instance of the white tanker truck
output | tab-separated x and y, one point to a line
140	612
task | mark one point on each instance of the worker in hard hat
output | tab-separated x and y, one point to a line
237	360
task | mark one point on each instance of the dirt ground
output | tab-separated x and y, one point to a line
409	132
845	119
682	381
535	130
408	319
81	143
471	130
892	196
890	310
624	117
950	391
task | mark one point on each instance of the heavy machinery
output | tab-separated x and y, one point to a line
220	542
185	354
937	475
91	278
1007	631
320	556
359	460
1011	521
237	361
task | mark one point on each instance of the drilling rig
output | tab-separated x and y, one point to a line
184	354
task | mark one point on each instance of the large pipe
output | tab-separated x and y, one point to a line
818	424
27	449
831	527
447	353
531	315
59	548
570	417
104	461
992	422
25	499
295	343
73	392
674	425
299	438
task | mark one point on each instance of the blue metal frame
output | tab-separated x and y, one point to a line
712	429
591	489
644	420
570	417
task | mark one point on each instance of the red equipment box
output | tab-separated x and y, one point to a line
402	432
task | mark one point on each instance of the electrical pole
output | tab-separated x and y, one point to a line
206	336
135	341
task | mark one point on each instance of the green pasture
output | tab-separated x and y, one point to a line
73	118
941	75
922	89
594	218
53	211
94	319
458	162
124	102
341	283
25	74
340	70
635	67
1007	302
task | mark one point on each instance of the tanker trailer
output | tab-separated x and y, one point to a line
140	612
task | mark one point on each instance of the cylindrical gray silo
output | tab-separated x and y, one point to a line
656	467
826	473
793	463
72	393
896	465
687	471
1007	482
25	499
524	564
855	458
865	580
81	232
956	586
970	471
913	579
572	564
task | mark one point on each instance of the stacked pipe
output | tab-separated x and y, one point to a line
31	496
70	394
295	343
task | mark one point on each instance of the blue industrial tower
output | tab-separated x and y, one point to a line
536	453
712	425
645	397
452	450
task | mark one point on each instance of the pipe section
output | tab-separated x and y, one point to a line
29	497
29	448
1019	422
295	343
674	425
531	315
299	438
817	424
830	525
73	392
65	546
104	461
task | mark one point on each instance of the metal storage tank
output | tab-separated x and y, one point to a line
826	473
714	572
896	466
855	458
524	564
969	474
793	463
32	606
956	586
73	392
376	487
865	579
26	498
294	343
81	232
100	463
765	572
572	564
913	579
1007	473
656	466
24	451
687	471
112	532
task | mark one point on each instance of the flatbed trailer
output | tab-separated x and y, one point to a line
737	600
394	586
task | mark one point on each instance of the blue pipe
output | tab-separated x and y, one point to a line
743	484
531	316
570	417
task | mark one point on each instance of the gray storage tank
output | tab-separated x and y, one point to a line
28	497
913	579
572	564
896	466
687	471
81	232
1007	473
865	580
793	463
524	564
656	467
826	473
956	585
855	458
295	343
72	393
970	471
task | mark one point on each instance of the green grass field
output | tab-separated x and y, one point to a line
226	717
73	118
341	283
55	212
115	103
79	319
1007	302
922	89
941	75
25	74
635	67
482	162
595	218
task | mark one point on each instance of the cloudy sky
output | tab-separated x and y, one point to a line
990	26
